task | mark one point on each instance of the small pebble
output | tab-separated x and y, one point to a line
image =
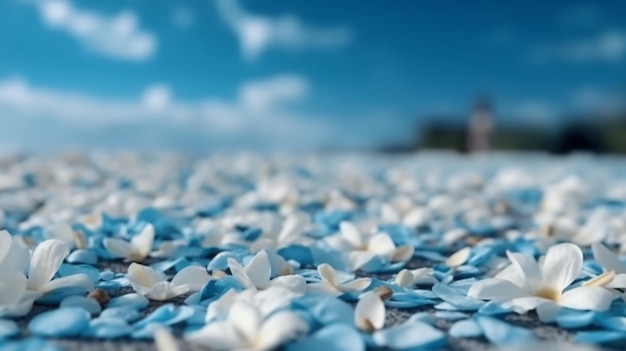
100	296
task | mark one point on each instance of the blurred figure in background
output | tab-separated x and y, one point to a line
480	127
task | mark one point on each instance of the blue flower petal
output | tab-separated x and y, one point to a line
89	305
430	255
452	296
480	255
493	308
107	276
8	329
299	253
410	336
616	323
451	316
64	322
132	300
325	310
146	332
423	317
571	319
333	337
467	328
501	333
168	314
31	344
127	314
108	328
71	269
333	257
55	296
83	256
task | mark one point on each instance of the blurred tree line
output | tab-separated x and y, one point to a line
596	133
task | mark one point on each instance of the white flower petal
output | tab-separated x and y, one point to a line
369	311
359	258
618	282
388	214
178	290
221	306
12	288
525	304
607	258
589	235
239	274
22	307
142	242
46	260
145	276
259	270
270	299
17	259
351	234
356	285
61	231
512	274
118	248
291	228
193	276
562	265
294	283
587	298
404	278
381	244
327	273
246	318
322	288
496	289
164	340
423	276
159	292
403	254
5	244
279	328
217	336
547	311
458	258
527	269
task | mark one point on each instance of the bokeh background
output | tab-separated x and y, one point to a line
204	75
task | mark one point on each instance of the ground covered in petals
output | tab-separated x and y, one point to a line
334	252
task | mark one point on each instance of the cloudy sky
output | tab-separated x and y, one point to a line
204	74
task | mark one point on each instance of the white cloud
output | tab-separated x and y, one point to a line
157	98
609	46
257	33
264	95
118	36
597	100
260	113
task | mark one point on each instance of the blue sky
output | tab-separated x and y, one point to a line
294	73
